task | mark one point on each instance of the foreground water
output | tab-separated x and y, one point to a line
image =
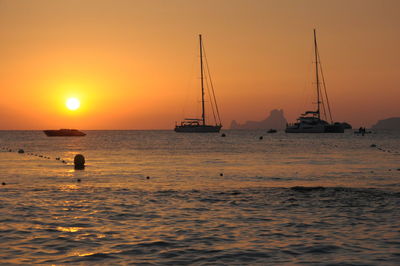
157	197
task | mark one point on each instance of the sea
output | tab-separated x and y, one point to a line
166	198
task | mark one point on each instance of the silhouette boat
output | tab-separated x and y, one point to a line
199	125
64	133
311	121
362	131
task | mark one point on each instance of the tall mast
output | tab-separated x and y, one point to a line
316	73
203	115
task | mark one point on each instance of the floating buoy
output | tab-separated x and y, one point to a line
78	180
373	145
147	177
21	151
223	135
261	137
64	161
221	174
79	162
4	183
58	158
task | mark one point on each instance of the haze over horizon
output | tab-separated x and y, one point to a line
134	64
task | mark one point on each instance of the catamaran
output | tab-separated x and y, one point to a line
199	125
311	121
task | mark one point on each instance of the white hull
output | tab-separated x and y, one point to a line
197	129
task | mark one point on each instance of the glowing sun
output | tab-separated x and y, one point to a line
72	104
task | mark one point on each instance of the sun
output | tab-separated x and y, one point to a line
72	104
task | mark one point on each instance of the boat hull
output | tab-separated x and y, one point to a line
64	133
316	129
336	128
197	129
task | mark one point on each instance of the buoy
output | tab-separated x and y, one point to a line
21	151
3	183
261	137
78	180
147	177
221	174
64	161
79	162
58	158
223	135
373	145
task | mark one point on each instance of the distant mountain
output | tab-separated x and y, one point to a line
388	124
275	120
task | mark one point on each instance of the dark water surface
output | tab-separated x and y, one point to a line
287	199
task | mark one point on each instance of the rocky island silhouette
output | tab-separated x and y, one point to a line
275	120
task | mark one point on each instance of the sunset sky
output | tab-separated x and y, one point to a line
134	64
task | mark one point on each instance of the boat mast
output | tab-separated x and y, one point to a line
316	73
203	116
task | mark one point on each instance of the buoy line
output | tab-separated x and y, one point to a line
22	152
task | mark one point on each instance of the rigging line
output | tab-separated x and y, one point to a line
326	93
323	107
319	87
212	87
213	99
206	77
318	61
209	95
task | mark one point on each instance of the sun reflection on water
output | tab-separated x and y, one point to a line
84	254
68	187
69	229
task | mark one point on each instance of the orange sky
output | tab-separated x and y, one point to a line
133	64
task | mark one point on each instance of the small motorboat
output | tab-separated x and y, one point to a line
64	133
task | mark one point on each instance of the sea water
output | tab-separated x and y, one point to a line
160	197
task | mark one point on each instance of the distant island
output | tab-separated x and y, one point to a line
392	123
275	120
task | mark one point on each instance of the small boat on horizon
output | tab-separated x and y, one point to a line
362	131
199	125
272	131
64	133
311	121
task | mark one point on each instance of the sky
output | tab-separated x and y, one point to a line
134	64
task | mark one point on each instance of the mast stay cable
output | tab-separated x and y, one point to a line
213	99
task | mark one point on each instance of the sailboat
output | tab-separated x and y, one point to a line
311	121
199	125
